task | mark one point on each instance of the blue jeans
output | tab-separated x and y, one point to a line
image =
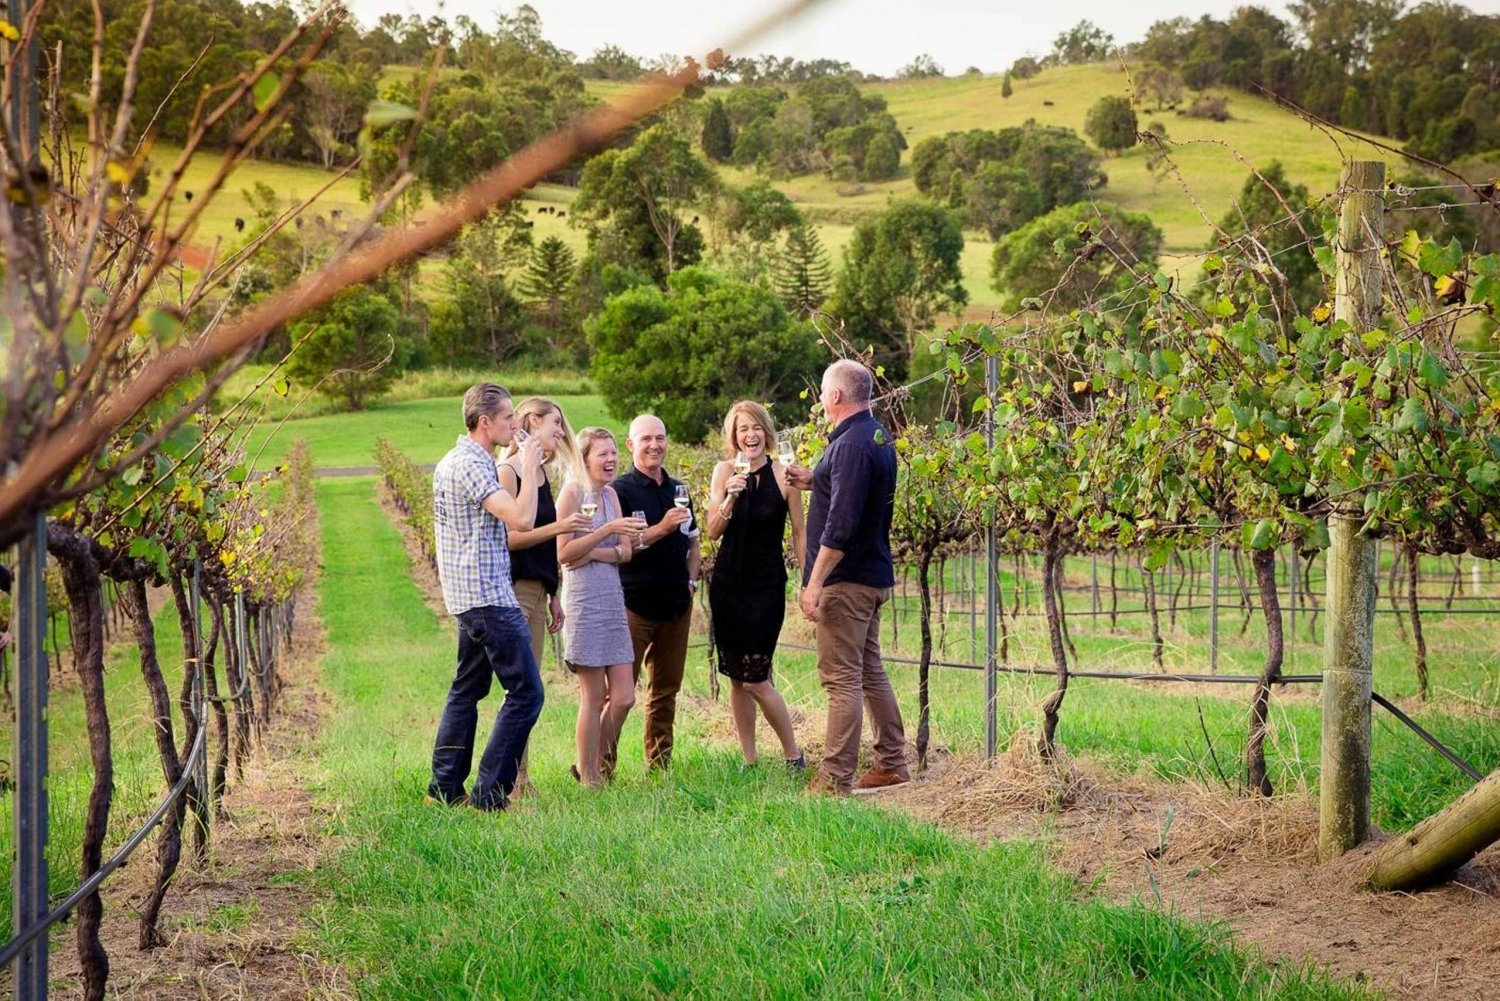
491	640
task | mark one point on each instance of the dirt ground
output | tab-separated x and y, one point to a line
1207	856
237	927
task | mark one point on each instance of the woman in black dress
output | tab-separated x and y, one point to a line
748	512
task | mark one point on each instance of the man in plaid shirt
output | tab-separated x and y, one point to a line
470	514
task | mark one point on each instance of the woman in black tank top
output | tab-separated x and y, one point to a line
533	554
748	512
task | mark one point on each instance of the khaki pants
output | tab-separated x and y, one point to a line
532	594
852	674
661	647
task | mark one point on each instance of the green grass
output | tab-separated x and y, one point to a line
252	385
424	429
706	882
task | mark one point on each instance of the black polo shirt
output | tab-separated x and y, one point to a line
655	581
853	500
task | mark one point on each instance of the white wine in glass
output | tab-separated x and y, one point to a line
741	463
590	503
680	499
785	450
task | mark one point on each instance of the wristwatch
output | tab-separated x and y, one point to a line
693	585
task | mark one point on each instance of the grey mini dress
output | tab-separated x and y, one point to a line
595	631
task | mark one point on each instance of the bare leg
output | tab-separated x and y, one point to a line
742	708
777	714
586	735
619	679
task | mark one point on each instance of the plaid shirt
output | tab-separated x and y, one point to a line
473	560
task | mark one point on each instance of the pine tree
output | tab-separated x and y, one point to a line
549	275
1005	88
802	274
718	138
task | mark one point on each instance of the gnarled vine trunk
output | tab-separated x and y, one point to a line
1256	778
1413	575
1062	609
195	796
1148	580
169	841
924	591
216	780
1051	552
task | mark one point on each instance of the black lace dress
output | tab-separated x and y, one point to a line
747	590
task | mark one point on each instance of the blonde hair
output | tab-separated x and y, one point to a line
531	411
586	439
756	413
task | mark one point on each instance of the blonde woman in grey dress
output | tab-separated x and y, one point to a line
596	637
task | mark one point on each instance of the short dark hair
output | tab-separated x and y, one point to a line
483	400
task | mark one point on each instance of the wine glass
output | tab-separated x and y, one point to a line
680	499
785	450
641	544
741	463
590	503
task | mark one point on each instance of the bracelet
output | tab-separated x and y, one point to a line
619	555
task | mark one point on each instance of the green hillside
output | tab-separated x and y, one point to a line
1213	158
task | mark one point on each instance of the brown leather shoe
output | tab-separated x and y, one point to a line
821	786
878	779
462	800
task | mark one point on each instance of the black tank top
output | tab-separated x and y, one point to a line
751	547
539	562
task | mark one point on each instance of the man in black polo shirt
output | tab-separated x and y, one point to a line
847	578
659	583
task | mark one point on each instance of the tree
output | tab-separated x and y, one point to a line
652	182
922	66
802	274
1025	68
754	218
882	158
548	277
688	352
1262	210
332	108
1344	29
480	321
1163	85
1085	42
1000	198
718	139
1111	124
1058	161
1005	88
354	348
901	268
1075	255
612	63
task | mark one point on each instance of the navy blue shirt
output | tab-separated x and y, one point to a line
853	500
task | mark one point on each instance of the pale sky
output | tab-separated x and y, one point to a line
876	36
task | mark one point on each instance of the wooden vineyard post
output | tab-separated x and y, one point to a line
1441	843
992	584
1348	638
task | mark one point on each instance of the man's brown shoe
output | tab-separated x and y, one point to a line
820	786
462	800
878	780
